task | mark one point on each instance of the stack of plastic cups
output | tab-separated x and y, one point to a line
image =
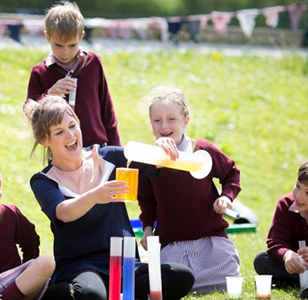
115	268
154	268
129	268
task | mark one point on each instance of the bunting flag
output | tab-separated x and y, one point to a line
2	29
203	21
141	27
272	15
247	20
160	24
221	21
125	28
201	18
295	11
34	26
11	28
175	24
193	28
93	23
112	30
120	29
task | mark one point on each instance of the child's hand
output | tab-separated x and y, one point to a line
169	147
221	204
303	252
147	232
63	86
292	264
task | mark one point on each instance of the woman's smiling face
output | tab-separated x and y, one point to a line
65	143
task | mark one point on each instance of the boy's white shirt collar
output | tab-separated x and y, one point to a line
51	59
186	144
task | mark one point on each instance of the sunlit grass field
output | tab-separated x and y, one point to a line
253	108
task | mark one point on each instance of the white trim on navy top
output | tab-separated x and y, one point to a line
108	168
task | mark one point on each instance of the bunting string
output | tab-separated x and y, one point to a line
167	27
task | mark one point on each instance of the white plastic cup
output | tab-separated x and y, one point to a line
234	286
264	286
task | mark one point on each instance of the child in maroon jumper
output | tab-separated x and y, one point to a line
188	211
26	278
289	226
70	70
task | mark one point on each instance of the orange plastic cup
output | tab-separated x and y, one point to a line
131	177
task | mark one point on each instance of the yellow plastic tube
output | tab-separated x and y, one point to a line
199	163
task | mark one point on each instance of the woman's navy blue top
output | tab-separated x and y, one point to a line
85	243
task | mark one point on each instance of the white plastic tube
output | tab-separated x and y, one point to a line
199	163
72	96
129	268
115	268
231	213
154	268
303	278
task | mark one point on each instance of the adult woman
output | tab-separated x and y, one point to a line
75	194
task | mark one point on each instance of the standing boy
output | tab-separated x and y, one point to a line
75	74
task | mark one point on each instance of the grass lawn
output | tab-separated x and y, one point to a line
253	108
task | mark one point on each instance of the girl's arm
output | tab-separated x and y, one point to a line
225	169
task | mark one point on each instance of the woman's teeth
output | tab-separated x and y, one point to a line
71	146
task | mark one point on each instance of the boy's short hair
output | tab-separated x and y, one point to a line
65	21
303	173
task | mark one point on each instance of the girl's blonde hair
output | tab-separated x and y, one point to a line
169	94
64	21
42	115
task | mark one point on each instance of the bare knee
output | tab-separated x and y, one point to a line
45	265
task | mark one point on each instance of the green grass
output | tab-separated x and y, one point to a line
253	108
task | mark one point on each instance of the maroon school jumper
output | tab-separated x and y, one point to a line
183	205
16	229
286	230
94	106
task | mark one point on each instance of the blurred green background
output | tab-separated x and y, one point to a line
254	108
